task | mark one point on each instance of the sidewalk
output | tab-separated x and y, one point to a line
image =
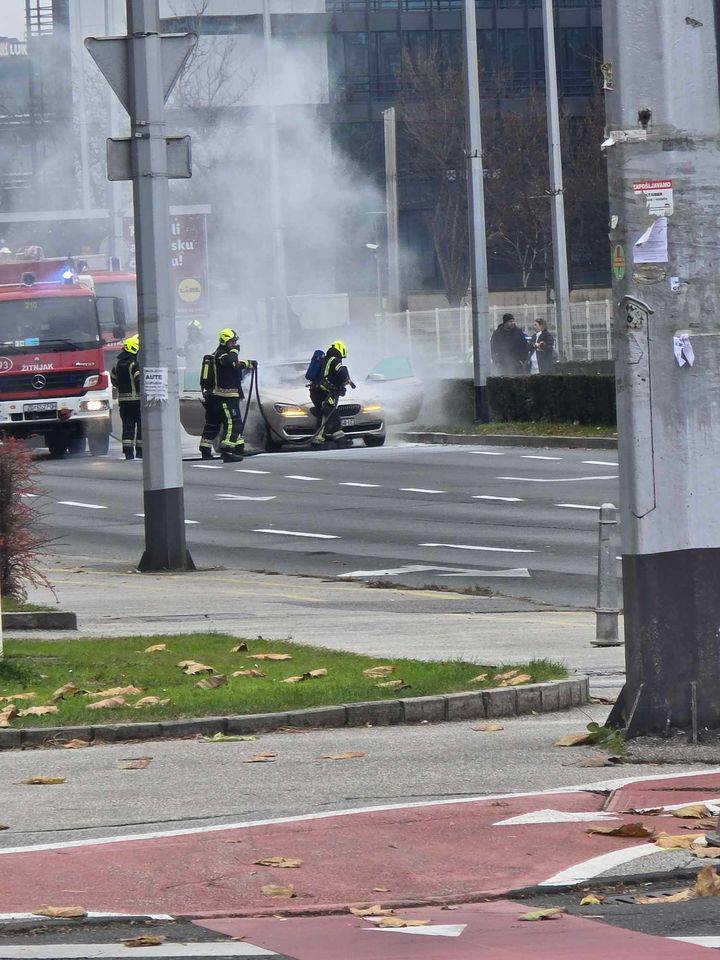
111	601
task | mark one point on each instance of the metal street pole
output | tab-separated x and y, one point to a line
563	319
663	129
165	547
276	212
116	236
391	203
607	610
476	216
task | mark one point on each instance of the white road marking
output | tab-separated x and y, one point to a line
556	816
297	533
514	572
484	496
419	490
207	466
392	572
557	479
187	522
234	496
92	915
443	572
600	463
80	951
582	872
439	930
245	470
533	456
602	786
698	941
297	476
488	453
577	506
87	506
347	483
464	546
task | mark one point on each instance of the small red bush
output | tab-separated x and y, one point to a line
20	545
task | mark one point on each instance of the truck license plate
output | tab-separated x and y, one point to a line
347	422
39	407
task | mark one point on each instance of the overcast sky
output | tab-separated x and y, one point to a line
12	18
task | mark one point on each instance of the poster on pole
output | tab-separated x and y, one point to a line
658	195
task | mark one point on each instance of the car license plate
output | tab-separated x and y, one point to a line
39	407
347	422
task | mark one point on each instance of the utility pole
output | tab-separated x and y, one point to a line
476	216
563	316
663	128
391	203
116	224
142	69
276	211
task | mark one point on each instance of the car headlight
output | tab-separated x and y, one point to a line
372	408
290	410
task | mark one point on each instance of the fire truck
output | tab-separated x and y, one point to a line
53	377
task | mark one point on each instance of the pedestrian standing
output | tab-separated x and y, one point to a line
543	345
125	377
221	385
509	348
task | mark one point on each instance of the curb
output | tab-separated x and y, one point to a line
511	440
471	705
39	620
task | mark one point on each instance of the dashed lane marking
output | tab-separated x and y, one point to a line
246	470
207	466
465	546
86	506
419	490
557	479
348	483
533	456
488	453
298	476
235	496
600	463
577	506
299	533
485	496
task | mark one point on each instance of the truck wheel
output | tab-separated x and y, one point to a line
99	444
374	441
57	444
76	446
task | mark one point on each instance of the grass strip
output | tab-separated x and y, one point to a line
539	428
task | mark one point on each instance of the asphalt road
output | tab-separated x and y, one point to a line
520	522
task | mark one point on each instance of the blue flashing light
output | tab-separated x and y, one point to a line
68	274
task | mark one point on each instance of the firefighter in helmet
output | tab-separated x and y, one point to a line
221	385
332	385
125	377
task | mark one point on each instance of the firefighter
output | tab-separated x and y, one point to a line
326	393
125	377
221	385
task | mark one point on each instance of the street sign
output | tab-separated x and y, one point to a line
112	56
119	158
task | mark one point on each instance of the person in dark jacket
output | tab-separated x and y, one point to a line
221	385
543	344
326	394
509	348
125	377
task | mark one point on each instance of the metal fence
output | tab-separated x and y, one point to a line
445	335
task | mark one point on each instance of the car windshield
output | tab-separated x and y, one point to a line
392	368
284	374
48	324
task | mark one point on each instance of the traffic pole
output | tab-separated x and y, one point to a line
165	547
607	611
391	204
479	297
563	318
663	129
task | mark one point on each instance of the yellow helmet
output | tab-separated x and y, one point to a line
227	336
132	344
340	347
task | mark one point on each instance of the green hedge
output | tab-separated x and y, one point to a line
588	400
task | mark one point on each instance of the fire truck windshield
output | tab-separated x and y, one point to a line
48	324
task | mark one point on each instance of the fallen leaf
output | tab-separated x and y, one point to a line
191	667
225	737
401	922
76	744
254	672
699	825
7	715
286	863
480	678
272	890
624	830
239	648
590	901
573	740
129	691
64	913
270	656
314	674
552	913
17	696
376	911
136	763
606	700
392	684
151	702
667	898
381	889
669	841
38	711
377	673
693	811
350	755
600	760
506	676
489	726
212	683
112	703
42	781
707	883
298	679
155	648
706	853
147	940
67	690
516	681
262	758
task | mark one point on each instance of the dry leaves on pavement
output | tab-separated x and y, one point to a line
692	811
590	901
489	726
707	883
191	667
135	763
212	683
668	841
679	897
399	922
62	693
42	781
76	744
253	672
624	830
156	648
376	911
552	913
377	673
273	890
151	702
61	913
601	760
112	703
129	691
228	737
38	711
349	755
262	758
284	863
147	940
706	853
269	656
574	740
